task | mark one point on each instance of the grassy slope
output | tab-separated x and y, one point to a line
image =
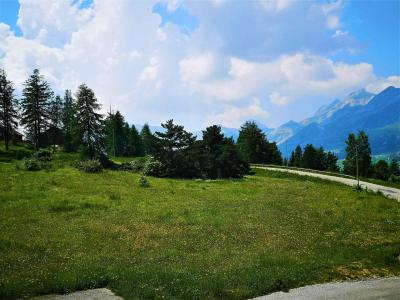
64	230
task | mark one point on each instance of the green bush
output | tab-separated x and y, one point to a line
395	179
153	168
89	166
135	165
143	182
42	155
32	164
22	153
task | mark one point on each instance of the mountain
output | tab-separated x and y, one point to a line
378	116
289	129
361	97
284	132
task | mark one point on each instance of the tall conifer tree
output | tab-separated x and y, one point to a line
35	107
90	124
8	109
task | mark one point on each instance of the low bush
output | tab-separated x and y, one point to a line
143	182
32	164
89	166
153	168
42	155
395	179
135	165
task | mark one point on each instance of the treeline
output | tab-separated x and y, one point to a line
358	160
75	123
313	158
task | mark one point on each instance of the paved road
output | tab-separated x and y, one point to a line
94	294
387	191
373	289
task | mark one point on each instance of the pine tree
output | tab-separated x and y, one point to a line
219	156
295	158
364	152
394	168
381	170
172	150
148	139
254	146
349	164
115	139
358	151
8	109
320	159
35	107
309	157
69	121
136	142
252	143
89	123
55	124
331	162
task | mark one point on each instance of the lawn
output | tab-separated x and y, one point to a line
64	230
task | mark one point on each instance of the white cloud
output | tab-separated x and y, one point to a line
333	22
382	83
278	99
276	5
152	73
234	116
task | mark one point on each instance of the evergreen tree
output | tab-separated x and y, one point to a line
8	109
252	143
394	168
211	150
331	162
364	152
358	150
381	170
115	139
89	123
320	159
126	132
136	143
254	146
55	124
35	107
148	139
309	157
69	122
349	164
172	150
274	155
296	156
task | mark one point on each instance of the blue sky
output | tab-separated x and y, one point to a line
204	62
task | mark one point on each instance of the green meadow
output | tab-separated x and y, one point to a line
63	230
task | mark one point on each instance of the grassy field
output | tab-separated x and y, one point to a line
63	230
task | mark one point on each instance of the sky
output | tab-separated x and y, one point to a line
205	62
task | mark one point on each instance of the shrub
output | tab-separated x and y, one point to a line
143	182
153	168
32	164
42	155
134	165
90	166
394	178
22	153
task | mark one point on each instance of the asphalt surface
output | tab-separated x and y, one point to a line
94	294
387	191
373	289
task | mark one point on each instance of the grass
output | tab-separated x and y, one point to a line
63	230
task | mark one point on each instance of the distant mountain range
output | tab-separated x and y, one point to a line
378	115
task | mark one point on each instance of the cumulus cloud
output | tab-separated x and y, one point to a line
234	116
240	51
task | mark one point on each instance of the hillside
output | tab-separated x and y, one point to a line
379	117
